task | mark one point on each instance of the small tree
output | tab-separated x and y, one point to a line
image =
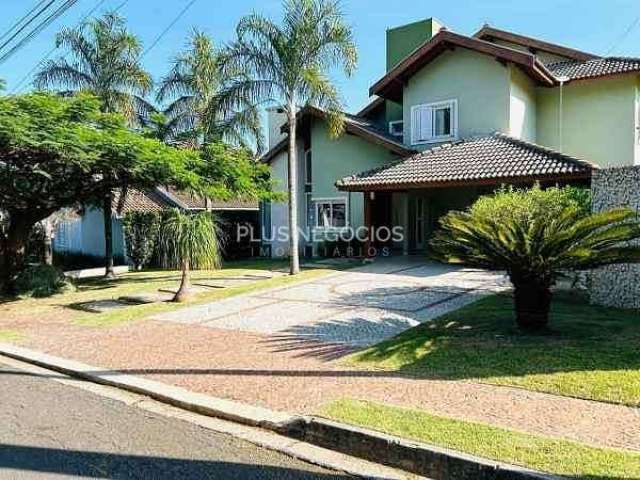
140	233
536	236
189	241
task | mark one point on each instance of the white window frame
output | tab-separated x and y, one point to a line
332	200
453	104
396	122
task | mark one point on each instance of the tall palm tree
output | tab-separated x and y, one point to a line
106	62
189	241
193	86
288	64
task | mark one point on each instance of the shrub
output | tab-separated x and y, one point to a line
140	233
536	236
41	281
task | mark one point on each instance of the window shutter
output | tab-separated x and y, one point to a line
427	123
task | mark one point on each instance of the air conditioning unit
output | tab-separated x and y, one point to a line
396	128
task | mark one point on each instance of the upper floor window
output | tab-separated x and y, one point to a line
434	122
396	128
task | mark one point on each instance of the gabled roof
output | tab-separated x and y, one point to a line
139	201
490	159
353	124
161	198
599	67
533	44
390	86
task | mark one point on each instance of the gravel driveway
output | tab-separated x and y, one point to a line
356	308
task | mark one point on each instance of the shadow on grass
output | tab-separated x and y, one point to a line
478	341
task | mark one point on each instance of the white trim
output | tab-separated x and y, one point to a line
453	103
345	200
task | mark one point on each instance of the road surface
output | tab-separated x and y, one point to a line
52	430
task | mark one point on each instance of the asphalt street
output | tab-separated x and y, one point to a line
51	430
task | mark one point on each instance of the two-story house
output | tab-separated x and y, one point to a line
455	117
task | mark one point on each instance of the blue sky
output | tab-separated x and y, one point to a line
592	25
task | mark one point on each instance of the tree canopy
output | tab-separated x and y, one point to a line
58	151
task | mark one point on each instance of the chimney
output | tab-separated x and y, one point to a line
276	118
403	40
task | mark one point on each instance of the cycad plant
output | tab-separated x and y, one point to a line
192	88
189	242
536	239
288	64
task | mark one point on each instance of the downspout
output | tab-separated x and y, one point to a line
562	81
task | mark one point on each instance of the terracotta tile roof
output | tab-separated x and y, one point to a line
236	205
162	198
184	199
489	159
599	67
136	200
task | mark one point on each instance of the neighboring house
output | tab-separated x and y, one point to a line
455	117
83	238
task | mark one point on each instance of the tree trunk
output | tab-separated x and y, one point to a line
183	293
14	249
108	236
293	192
47	228
532	304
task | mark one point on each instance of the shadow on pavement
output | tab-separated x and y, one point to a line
109	465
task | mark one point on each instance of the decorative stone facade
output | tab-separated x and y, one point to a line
616	285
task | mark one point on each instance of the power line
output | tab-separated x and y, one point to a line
626	33
168	27
52	51
24	17
44	24
29	22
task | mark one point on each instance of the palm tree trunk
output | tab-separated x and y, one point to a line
293	192
182	294
108	237
532	304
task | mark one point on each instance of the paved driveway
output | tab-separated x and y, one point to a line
354	309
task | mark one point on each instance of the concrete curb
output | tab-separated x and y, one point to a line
417	458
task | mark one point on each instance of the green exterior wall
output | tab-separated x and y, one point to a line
522	106
479	83
599	120
333	159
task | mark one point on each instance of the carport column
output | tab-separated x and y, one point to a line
368	216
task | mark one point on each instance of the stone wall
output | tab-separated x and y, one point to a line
616	285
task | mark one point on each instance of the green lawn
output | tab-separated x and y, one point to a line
69	304
560	457
592	352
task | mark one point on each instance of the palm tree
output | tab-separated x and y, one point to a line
106	62
288	64
193	86
189	241
535	250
